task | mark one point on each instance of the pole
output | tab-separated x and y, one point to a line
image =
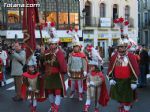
38	22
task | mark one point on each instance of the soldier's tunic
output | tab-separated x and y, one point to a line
124	70
55	68
99	81
30	85
77	65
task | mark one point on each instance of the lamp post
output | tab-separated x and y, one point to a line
83	16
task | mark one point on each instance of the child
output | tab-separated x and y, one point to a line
96	87
29	86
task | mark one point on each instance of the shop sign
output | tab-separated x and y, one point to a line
105	22
104	35
66	39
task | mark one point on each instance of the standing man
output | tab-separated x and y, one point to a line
55	68
3	56
123	74
18	57
144	67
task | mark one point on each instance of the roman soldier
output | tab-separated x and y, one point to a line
123	74
123	70
55	68
30	84
77	68
96	87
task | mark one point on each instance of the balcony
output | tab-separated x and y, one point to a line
91	22
14	26
146	25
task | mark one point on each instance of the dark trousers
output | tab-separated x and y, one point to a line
142	78
18	83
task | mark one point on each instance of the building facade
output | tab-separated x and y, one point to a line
65	14
97	21
144	22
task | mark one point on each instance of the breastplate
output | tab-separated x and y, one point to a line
32	83
50	59
76	64
122	61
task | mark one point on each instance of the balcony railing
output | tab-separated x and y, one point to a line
91	22
14	26
146	25
95	22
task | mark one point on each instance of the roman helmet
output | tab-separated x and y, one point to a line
75	38
32	61
51	30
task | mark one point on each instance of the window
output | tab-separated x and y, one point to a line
102	10
145	19
149	17
63	12
127	12
88	13
51	11
145	40
139	21
115	11
145	3
74	13
139	5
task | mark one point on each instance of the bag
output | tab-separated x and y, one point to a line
24	69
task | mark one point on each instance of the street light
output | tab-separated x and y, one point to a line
84	12
83	16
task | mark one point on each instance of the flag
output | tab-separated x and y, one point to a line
29	23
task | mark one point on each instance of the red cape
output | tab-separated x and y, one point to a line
104	96
24	87
26	74
79	54
1	76
62	67
132	63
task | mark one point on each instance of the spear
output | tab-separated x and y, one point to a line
38	22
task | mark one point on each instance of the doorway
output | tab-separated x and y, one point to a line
115	11
103	48
88	13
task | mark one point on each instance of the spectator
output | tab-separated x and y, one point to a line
3	56
18	60
41	61
144	67
37	54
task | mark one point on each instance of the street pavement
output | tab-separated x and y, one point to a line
69	105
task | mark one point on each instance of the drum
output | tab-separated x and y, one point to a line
76	75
